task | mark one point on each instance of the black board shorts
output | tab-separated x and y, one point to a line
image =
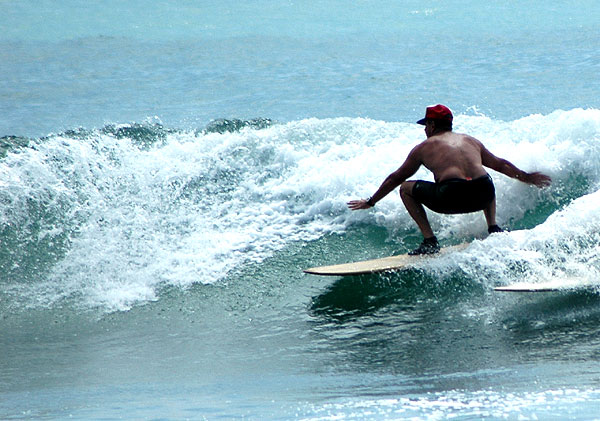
455	195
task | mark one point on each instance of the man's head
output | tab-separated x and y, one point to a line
440	115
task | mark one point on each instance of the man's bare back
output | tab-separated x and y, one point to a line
452	155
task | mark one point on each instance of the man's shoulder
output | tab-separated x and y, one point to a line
467	137
439	138
462	137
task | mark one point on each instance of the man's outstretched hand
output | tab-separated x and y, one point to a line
359	204
538	179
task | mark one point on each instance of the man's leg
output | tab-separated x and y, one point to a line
490	213
415	209
490	217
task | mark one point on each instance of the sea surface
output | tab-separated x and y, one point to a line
169	168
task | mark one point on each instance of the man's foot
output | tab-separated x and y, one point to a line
428	246
494	228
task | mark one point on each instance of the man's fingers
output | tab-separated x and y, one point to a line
356	204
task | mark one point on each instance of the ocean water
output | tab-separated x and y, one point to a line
168	169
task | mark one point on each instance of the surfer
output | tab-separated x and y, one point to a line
462	185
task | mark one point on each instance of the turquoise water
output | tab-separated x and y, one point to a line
167	169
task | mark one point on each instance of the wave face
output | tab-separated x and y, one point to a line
106	218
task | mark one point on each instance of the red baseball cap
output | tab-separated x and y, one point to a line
436	112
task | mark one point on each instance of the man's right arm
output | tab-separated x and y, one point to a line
407	169
507	168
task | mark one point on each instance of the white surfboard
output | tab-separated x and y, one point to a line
380	265
560	284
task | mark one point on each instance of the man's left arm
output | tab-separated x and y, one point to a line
507	168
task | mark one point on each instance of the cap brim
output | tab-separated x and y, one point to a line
422	121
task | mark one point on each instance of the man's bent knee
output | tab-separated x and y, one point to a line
406	188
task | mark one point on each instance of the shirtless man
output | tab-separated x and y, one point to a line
461	185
